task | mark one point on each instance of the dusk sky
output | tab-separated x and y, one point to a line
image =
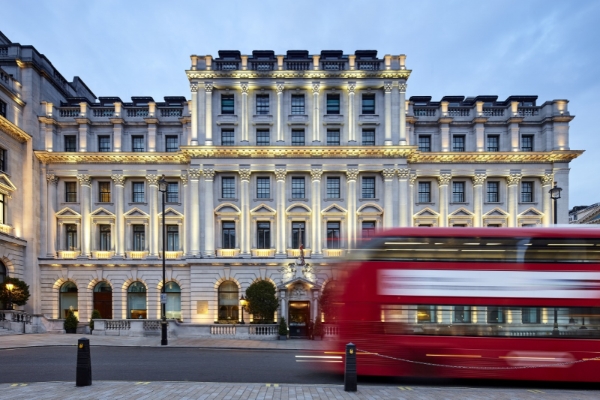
141	48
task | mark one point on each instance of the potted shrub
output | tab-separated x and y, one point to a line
71	322
318	329
283	330
95	315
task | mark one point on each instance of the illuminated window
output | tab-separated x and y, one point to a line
228	302
263	231
104	192
426	314
228	229
173	306
136	301
68	299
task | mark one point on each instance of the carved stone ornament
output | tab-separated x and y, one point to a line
209	174
412	179
280	87
280	174
444	179
208	86
194	173
479	179
547	179
288	272
152	179
245	174
402	87
352	174
316	86
387	87
310	272
351	87
194	87
513	179
403	173
244	86
184	179
388	173
51	178
118	179
298	290
315	174
84	180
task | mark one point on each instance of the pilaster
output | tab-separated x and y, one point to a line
86	204
209	212
51	215
194	175
208	87
387	88
316	173
194	112
513	181
388	195
153	225
351	177
478	181
119	198
351	121
245	173
316	113
280	173
444	181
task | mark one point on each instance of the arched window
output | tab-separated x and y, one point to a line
68	299
228	302
103	299
173	309
136	301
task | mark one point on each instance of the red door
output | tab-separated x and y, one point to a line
103	303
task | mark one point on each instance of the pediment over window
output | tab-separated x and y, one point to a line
333	209
136	213
263	209
462	212
427	212
370	209
227	209
531	212
496	212
170	212
298	209
68	213
102	212
6	186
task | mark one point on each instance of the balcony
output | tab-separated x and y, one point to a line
459	111
103	112
529	111
103	254
493	111
171	112
137	255
6	229
228	252
263	253
172	255
227	65
295	253
333	252
425	111
68	254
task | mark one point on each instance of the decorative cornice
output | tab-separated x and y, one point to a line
84	179
245	174
52	179
444	179
479	179
118	179
280	174
316	173
352	174
14	131
308	74
110	158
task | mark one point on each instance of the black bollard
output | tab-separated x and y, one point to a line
84	363
350	379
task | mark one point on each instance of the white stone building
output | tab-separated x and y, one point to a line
271	152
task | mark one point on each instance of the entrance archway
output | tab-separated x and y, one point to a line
103	299
299	318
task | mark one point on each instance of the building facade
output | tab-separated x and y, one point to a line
276	167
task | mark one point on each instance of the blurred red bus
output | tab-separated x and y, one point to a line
520	303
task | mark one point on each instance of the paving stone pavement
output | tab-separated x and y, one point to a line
188	390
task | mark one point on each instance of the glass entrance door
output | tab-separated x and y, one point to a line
299	312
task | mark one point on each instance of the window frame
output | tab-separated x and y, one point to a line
524	139
263	187
228	187
138	236
334	187
367	109
172	196
334	234
488	144
104	145
455	143
296	107
296	135
172	238
333	137
263	234
459	192
530	193
227	134
333	104
136	196
496	193
421	194
104	236
137	139
368	231
228	234
368	186
262	104
69	186
296	187
424	149
104	192
169	140
227	104
71	242
298	234
370	141
68	141
261	134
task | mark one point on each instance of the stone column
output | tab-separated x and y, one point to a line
411	199
209	213
245	217
280	198
478	181
316	173
403	137
186	212
283	305
195	114
117	133
444	181
513	181
194	208
547	180
119	198
86	204
153	201
388	197
208	87
351	121
244	86
403	176
351	177
316	116
387	88
51	215
280	88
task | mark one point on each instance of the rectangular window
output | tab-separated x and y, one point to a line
2	210
368	229
227	104
263	230
526	192
171	144
138	192
458	143
262	104
462	314
228	188
298	189
333	103
3	108
368	188
298	232
333	137
3	160
137	143
298	104
263	188
426	314
262	137
228	235
495	315
71	192
333	235
104	238
493	143
458	192
425	143
527	143
172	238
71	231
424	192
368	137
227	138
70	143
103	143
368	104
104	192
530	315
333	188
298	137
139	237
493	192
172	192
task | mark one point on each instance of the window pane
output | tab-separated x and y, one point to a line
424	192
526	192
227	138
424	143
298	104
333	138
227	104
262	137
263	188
368	104
298	232
368	137
228	235
228	188
527	143
493	143
298	191
71	192
71	143
263	231
103	143
458	192
462	314
333	188
104	238
262	104
104	189
368	229
71	231
333	104
171	144
138	192
368	188
172	192
333	235
139	238
137	143
172	238
298	137
426	314
458	143
493	195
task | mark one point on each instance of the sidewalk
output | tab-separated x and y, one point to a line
45	339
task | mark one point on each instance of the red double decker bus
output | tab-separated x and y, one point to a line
520	303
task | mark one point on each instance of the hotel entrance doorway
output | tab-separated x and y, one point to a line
299	312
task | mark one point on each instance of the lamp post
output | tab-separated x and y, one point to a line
555	195
9	287
162	186
243	303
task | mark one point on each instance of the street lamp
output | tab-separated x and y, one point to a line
162	186
10	287
243	303
555	195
